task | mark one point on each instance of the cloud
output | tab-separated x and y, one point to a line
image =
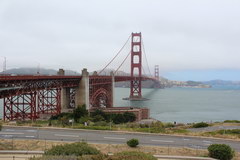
178	35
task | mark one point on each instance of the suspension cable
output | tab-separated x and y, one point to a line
115	56
146	58
122	62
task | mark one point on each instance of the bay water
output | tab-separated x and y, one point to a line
184	105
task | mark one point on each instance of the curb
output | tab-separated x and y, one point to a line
123	132
20	152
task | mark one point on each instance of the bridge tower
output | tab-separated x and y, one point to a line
136	66
156	72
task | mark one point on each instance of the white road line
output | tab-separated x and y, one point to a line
162	141
10	133
65	135
186	139
30	136
31	130
207	142
113	138
9	130
7	135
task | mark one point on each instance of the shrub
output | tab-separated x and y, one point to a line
129	117
229	131
169	125
99	112
76	149
132	142
221	151
118	118
100	123
79	112
200	125
132	156
98	118
0	126
232	121
59	116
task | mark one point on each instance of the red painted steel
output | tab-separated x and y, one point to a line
49	101
20	107
100	92
136	66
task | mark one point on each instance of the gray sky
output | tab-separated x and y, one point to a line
178	35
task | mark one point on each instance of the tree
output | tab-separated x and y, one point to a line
79	112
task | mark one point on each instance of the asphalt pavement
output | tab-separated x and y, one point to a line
111	137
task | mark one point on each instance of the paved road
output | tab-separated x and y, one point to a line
109	137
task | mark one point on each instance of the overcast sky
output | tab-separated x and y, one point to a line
181	36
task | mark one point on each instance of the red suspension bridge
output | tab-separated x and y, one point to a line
28	97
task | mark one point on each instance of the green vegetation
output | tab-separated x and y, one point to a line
234	132
0	126
232	121
132	156
82	151
73	149
119	156
200	125
132	142
221	151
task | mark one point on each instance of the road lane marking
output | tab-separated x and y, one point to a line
30	136
65	135
207	142
186	139
9	130
7	135
162	141
10	133
113	138
31	130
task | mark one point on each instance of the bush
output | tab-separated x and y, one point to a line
79	112
129	117
100	123
230	131
132	142
0	126
118	156
118	118
169	125
221	151
74	149
59	116
232	121
200	125
98	118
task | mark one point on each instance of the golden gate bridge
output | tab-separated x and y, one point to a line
29	96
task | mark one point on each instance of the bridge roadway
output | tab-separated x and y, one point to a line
111	137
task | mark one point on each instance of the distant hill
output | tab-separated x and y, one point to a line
33	71
221	82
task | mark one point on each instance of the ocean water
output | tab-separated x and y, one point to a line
185	105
